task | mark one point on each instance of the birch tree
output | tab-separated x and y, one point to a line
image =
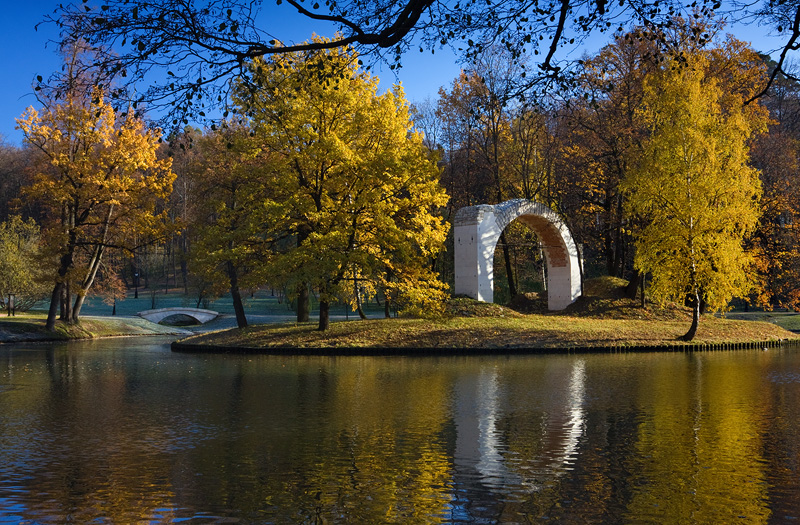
693	186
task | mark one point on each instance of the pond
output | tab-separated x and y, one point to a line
124	431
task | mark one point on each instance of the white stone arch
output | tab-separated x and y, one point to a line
477	230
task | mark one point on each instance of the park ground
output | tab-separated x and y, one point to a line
603	318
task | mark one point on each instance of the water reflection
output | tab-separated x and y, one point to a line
124	431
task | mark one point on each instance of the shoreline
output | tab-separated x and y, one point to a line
521	334
188	348
31	329
530	334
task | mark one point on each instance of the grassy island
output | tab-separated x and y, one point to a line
602	319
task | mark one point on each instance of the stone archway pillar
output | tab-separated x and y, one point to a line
475	235
477	230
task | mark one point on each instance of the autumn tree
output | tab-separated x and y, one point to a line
466	182
694	188
14	175
354	189
231	181
185	206
777	239
21	262
101	180
479	136
602	130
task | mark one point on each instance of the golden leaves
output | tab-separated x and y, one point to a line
103	179
693	187
354	183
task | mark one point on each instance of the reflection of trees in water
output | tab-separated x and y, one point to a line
317	441
699	453
81	451
228	436
134	435
664	438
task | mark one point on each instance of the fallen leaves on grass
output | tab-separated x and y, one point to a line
522	331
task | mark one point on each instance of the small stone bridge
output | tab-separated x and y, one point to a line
159	314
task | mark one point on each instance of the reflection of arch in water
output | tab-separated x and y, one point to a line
480	448
491	464
574	415
480	443
477	230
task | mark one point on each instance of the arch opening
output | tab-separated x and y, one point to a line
159	314
477	231
180	319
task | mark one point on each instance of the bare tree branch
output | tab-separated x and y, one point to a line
791	45
202	46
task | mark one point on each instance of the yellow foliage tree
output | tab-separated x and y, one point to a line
21	264
231	179
352	184
694	189
101	183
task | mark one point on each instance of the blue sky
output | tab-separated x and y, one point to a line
27	53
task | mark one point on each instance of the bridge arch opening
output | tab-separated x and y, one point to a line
159	314
477	231
180	320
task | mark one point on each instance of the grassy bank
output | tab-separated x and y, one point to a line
30	326
491	327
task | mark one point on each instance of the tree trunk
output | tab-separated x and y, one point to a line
695	319
512	285
608	243
135	277
185	275
62	306
619	240
360	311
633	286
303	297
324	315
55	300
359	308
65	263
236	296
387	300
695	295
88	279
66	297
76	308
303	306
544	267
642	286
